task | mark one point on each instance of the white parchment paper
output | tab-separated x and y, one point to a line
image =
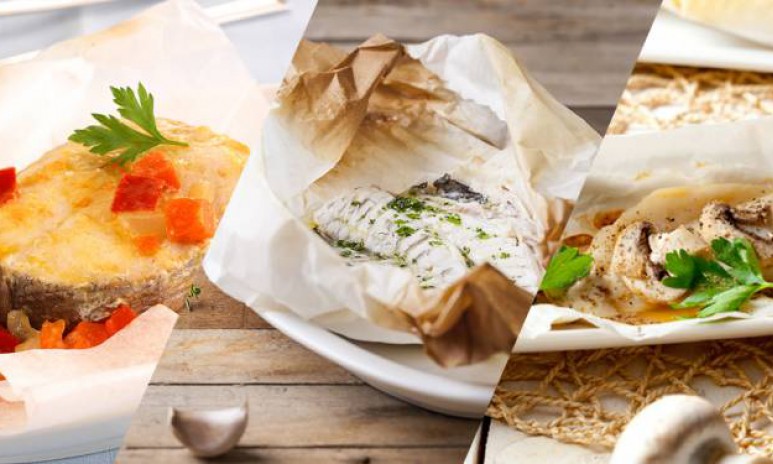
266	256
197	77
627	168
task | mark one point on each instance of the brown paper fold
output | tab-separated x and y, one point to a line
477	317
376	116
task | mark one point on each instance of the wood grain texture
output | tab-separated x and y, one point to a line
303	416
581	50
218	356
415	455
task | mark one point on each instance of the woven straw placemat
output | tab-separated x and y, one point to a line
588	397
659	97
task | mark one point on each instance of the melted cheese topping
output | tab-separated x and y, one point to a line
60	228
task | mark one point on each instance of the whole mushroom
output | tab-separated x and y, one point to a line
680	429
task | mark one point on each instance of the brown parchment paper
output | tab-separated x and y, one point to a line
381	116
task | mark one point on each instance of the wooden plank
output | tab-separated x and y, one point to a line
216	310
582	52
304	416
243	357
509	21
307	455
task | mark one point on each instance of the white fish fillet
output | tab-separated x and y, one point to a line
438	238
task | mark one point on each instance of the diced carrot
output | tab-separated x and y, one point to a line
120	318
51	335
147	245
156	166
135	193
86	335
7	184
7	341
189	220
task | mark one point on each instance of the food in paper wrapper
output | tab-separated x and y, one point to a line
427	208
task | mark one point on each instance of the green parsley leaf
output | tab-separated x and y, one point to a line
566	267
740	258
682	270
719	286
113	135
728	301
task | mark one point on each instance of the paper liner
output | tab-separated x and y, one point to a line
751	19
46	388
628	168
458	105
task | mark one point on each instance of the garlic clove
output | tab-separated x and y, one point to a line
209	433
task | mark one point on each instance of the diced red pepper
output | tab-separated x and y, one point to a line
148	245
156	166
51	335
7	184
86	335
189	220
120	318
7	341
135	193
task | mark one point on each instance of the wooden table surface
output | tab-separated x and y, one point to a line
303	408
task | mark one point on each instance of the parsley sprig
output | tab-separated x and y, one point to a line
566	267
719	285
113	135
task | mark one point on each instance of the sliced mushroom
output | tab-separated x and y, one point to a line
752	220
209	433
679	429
632	260
681	238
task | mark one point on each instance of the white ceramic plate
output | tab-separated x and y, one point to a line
403	371
593	339
64	442
677	41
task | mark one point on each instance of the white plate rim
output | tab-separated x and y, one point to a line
440	394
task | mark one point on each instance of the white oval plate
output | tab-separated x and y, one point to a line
403	371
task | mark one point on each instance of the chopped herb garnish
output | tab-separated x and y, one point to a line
504	255
465	251
350	244
409	204
193	294
113	135
356	203
566	267
405	231
482	234
346	253
454	219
